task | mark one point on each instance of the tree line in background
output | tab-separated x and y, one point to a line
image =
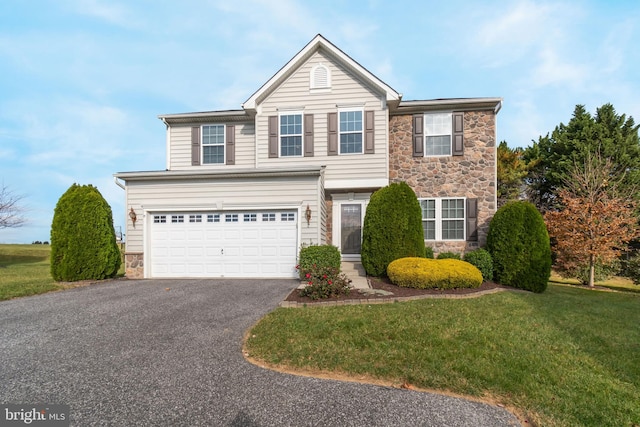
584	178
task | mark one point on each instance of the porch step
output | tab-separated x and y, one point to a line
356	273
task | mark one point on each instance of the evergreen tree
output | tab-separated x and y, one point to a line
83	240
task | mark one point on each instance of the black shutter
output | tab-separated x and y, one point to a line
369	132
195	146
332	134
273	136
308	135
230	148
458	134
472	220
418	135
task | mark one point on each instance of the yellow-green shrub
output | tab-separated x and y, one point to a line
425	273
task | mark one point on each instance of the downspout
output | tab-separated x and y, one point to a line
167	143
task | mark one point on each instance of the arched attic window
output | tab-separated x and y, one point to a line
320	77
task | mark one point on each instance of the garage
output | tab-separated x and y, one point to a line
223	244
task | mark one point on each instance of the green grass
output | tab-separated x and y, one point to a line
567	357
615	283
24	271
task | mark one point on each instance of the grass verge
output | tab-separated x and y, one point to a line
25	270
566	357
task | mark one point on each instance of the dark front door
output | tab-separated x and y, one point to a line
351	228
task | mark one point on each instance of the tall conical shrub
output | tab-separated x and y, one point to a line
519	245
392	228
83	240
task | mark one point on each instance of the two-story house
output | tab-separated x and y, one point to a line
244	189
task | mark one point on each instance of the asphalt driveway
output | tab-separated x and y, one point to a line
168	353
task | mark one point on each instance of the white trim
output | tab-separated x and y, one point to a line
426	135
313	84
296	112
438	218
336	184
224	144
361	199
320	42
351	110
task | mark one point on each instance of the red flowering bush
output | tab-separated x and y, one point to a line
324	282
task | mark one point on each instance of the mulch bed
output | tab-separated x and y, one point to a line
385	285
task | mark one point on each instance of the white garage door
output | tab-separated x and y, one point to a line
224	244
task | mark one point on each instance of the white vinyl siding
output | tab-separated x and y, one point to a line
346	89
223	194
180	147
443	218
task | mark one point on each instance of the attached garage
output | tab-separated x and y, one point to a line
247	243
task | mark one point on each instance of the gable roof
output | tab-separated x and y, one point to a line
319	42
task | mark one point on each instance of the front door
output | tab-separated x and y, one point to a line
351	228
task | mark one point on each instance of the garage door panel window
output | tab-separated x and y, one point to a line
248	243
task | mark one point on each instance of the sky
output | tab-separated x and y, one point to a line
82	82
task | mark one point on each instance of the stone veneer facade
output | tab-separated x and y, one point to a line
472	175
134	265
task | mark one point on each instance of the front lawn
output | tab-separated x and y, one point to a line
567	357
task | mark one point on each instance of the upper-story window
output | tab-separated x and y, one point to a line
437	132
350	132
291	134
213	144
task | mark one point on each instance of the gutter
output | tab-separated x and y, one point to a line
118	183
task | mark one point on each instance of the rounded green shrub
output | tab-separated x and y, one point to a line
481	259
448	255
428	252
425	273
318	257
83	240
392	228
519	246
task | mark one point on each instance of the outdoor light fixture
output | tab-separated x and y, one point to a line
307	215
133	216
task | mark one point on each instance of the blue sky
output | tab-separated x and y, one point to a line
82	82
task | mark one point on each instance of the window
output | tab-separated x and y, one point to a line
268	217
213	144
250	217
213	218
195	218
437	131
231	218
291	135
287	217
350	132
443	219
177	218
160	219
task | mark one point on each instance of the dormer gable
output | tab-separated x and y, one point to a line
320	78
